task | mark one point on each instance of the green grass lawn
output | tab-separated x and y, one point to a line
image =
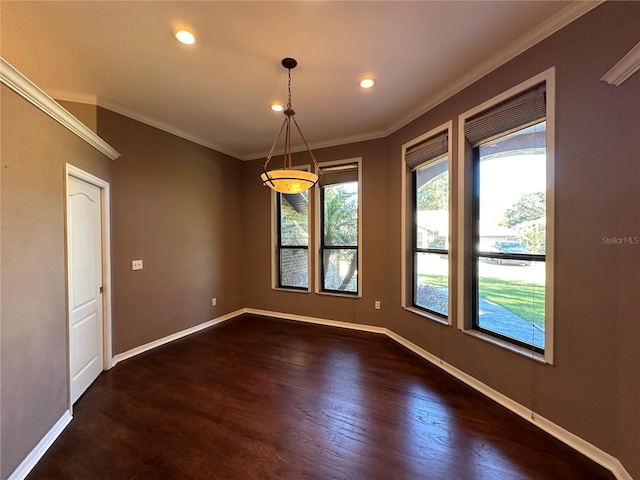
523	299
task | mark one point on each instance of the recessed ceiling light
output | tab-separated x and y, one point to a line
367	82
276	107
185	37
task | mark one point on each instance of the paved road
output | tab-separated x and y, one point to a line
498	319
492	316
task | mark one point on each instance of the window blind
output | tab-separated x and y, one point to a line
339	174
514	114
427	150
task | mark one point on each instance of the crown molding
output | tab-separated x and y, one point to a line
24	87
200	141
561	19
75	97
114	107
91	99
627	66
360	137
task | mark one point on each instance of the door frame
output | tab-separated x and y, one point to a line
105	215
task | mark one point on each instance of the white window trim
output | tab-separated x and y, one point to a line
407	249
464	218
317	232
275	266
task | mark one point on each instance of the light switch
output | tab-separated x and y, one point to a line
136	265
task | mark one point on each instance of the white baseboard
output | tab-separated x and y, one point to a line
317	321
40	449
175	336
589	450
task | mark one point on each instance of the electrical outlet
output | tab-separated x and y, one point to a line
214	302
377	305
136	265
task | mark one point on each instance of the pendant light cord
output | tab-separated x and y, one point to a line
289	88
286	127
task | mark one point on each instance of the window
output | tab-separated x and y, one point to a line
428	162
292	240
508	238
510	216
339	228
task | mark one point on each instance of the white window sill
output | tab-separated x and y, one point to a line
430	316
343	295
525	352
291	290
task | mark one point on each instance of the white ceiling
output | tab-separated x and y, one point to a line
122	55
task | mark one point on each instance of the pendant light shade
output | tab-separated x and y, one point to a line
286	179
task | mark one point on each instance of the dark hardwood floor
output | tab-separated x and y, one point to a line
258	398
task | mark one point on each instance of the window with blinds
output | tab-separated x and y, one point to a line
428	162
515	114
509	219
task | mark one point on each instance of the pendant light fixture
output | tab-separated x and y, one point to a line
286	179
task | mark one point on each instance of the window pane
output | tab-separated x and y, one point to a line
512	190
294	219
431	184
340	268
294	267
431	289
510	296
511	299
340	214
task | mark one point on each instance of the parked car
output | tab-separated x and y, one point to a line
511	248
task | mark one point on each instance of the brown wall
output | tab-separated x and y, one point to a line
596	170
34	150
593	389
200	221
87	114
177	206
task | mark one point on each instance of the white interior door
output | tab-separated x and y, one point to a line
84	229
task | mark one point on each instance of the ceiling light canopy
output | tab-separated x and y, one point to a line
186	37
286	179
367	82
